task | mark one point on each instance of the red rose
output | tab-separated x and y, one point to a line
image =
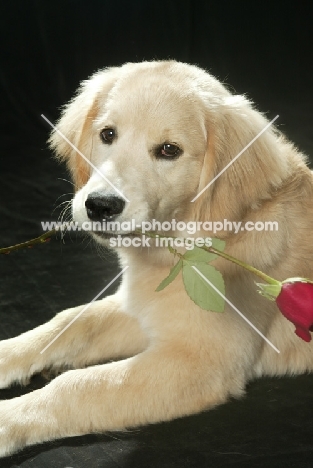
295	301
294	298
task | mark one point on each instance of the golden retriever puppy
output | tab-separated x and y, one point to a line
159	132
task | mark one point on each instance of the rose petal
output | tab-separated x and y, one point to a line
303	333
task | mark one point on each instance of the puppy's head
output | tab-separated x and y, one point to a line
148	137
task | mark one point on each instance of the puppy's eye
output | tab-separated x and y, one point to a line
108	135
168	151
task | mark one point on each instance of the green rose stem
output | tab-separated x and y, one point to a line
250	268
46	236
37	240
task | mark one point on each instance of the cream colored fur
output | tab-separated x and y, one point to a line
163	356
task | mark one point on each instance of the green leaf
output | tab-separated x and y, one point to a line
172	275
218	244
197	255
173	251
200	291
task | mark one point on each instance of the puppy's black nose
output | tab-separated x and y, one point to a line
101	207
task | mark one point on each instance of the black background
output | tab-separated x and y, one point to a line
262	49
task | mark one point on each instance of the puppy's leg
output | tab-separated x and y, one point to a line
158	384
102	332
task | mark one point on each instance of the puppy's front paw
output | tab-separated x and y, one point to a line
10	435
16	364
27	420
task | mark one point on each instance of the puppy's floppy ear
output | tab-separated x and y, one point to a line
76	121
232	124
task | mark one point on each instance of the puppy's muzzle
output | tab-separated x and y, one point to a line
102	207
